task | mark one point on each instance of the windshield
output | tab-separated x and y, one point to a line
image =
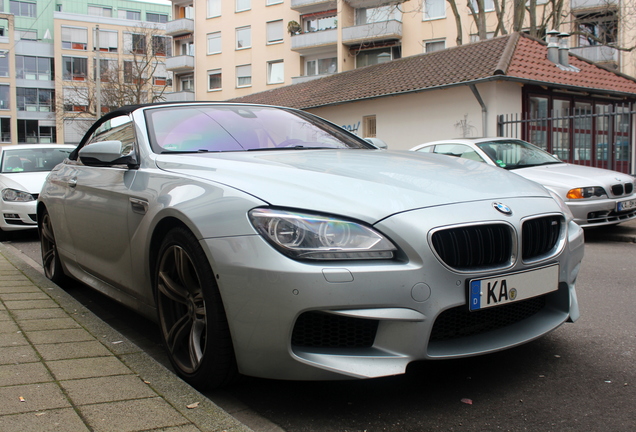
32	160
513	154
192	129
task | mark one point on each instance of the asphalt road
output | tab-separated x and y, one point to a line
581	377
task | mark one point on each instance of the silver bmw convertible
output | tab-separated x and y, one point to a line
268	242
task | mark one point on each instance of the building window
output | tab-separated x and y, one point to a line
273	2
319	21
436	45
25	9
108	71
5	130
597	29
214	79
243	5
321	66
214	43
5	101
434	9
74	38
187	48
30	132
275	72
244	76
214	8
129	15
489	5
162	45
134	43
186	83
34	99
31	35
108	41
4	64
376	56
243	37
75	68
100	11
160	75
34	68
369	126
156	17
378	14
275	32
128	72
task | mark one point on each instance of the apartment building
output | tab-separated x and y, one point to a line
228	49
48	52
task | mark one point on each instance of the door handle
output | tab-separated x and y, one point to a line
72	182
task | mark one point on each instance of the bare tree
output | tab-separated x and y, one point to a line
139	76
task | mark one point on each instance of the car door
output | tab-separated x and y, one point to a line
97	207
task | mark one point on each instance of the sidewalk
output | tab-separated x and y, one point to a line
63	369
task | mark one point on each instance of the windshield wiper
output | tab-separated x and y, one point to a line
539	164
298	147
189	151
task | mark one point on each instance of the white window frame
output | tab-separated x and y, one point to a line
275	2
489	5
242	5
105	11
241	72
75	35
271	65
433	42
434	8
216	36
274	32
106	40
215	72
214	8
249	41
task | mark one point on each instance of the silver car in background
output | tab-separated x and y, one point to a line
595	196
268	242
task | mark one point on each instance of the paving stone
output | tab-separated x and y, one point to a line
12	339
18	287
44	421
31	304
72	350
49	324
27	373
18	354
9	327
129	416
35	295
107	389
26	314
87	368
59	336
37	397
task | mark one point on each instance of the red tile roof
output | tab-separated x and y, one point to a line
513	57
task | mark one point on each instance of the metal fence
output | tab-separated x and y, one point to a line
602	138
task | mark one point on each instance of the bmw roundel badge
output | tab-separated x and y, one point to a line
502	208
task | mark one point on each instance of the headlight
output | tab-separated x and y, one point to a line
564	207
14	195
586	192
314	237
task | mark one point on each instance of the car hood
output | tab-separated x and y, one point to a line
30	182
570	176
365	184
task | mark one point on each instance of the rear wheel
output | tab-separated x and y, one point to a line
191	314
50	256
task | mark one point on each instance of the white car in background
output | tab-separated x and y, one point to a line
23	169
595	196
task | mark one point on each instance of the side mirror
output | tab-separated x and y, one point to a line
107	153
377	142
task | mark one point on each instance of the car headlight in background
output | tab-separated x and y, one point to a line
585	192
564	207
14	195
316	237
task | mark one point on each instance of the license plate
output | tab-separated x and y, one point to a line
512	287
625	205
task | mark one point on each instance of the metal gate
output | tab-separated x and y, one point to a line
602	139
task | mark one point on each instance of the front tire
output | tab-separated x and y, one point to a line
191	314
50	257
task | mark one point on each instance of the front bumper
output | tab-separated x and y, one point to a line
335	320
18	215
595	213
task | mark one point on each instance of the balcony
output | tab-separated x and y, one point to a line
179	27
373	32
372	3
311	6
180	96
587	4
597	53
182	63
306	42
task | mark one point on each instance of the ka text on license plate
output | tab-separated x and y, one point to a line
512	287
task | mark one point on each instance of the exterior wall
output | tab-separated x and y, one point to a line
408	120
9	113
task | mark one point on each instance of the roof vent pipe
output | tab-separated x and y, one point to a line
553	46
564	49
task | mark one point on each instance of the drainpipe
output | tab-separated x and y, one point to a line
564	49
484	109
553	46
